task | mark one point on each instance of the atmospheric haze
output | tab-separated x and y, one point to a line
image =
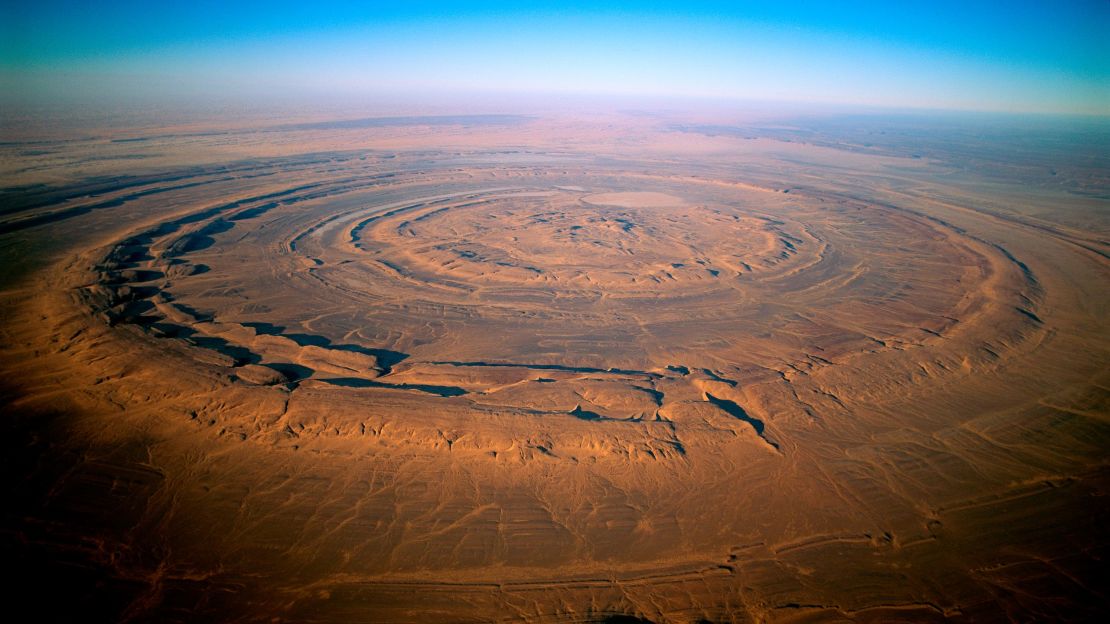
476	314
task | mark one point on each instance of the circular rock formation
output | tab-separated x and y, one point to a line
706	276
560	391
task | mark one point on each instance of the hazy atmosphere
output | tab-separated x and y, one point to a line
998	56
698	313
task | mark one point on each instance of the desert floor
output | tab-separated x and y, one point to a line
553	369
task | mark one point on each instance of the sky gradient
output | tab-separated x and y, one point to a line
1004	56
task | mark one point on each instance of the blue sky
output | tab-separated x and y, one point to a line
1009	56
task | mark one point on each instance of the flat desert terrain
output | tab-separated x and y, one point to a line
555	368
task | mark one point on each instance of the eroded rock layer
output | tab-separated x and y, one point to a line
368	386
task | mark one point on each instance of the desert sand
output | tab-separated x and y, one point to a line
549	369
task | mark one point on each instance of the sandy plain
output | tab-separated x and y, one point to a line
551	369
